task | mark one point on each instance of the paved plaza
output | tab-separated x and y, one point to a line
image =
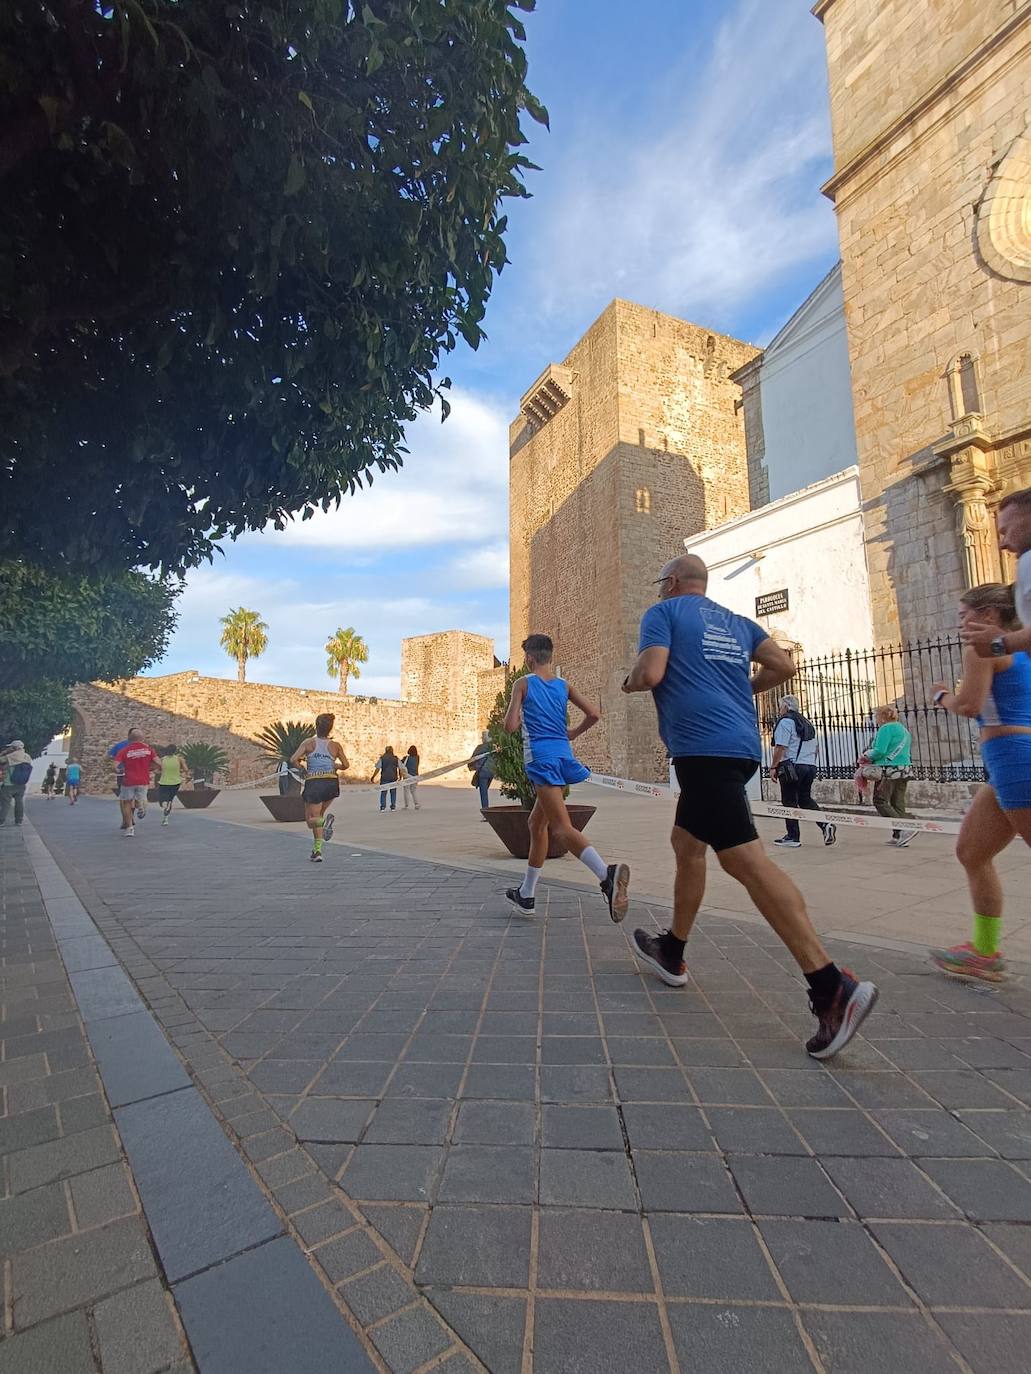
457	1138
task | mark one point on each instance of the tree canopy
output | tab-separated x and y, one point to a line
343	654
244	636
235	239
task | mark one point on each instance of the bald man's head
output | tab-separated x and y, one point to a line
683	576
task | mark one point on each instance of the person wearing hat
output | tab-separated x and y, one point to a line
19	770
794	767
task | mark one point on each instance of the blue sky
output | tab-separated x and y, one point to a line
688	142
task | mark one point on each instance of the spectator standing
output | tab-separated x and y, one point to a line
482	767
410	764
19	771
795	769
388	767
890	757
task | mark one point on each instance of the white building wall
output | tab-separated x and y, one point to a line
811	545
806	389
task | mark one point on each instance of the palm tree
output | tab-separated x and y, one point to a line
344	652
244	636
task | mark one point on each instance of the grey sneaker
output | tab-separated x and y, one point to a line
615	888
905	838
786	842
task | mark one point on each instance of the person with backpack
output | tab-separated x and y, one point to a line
19	771
794	767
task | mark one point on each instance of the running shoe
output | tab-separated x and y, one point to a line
316	856
905	837
164	820
129	832
786	842
140	813
517	899
615	888
963	961
329	823
651	950
830	834
841	1016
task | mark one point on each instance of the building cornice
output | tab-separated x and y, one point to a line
820	8
963	69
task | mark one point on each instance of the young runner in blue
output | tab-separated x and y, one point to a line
539	706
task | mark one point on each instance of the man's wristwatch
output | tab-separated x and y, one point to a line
998	646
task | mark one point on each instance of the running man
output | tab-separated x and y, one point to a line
540	706
997	691
324	761
72	777
695	657
138	761
171	777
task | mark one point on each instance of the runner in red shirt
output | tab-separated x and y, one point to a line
139	762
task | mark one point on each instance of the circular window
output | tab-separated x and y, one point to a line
1004	219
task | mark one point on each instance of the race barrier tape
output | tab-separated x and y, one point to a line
348	789
859	819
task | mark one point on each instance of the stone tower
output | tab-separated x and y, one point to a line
932	187
619	452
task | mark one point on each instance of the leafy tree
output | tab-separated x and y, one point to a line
343	654
235	239
281	740
79	629
34	714
244	636
204	761
507	750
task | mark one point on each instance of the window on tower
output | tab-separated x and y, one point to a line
643	501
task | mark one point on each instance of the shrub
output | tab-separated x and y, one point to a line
204	761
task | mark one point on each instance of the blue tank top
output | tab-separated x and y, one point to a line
544	716
1009	697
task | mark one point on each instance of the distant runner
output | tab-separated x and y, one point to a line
139	762
324	760
72	776
170	779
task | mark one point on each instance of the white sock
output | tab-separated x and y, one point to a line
595	863
530	882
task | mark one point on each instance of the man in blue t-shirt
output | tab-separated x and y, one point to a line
696	658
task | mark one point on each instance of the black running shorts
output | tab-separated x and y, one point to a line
713	806
167	792
319	790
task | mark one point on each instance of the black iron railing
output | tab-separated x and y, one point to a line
839	693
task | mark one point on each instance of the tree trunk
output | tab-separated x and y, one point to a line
241	667
344	675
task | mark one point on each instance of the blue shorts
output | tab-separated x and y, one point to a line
1008	761
558	771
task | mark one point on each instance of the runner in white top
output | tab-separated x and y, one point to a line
1015	535
324	761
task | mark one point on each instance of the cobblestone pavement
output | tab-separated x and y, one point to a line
504	1145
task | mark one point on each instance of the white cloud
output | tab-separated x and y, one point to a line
453	488
484	567
713	195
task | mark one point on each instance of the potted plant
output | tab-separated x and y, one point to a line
204	761
511	824
279	742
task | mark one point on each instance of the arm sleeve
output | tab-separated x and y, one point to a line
655	628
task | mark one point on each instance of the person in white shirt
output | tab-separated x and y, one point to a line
794	767
1014	524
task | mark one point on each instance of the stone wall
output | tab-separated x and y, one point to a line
630	444
185	708
929	108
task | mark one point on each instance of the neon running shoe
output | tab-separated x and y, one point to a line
963	961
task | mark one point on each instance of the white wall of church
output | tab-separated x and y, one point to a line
806	387
809	544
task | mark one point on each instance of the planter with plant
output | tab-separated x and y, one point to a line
278	743
511	824
204	762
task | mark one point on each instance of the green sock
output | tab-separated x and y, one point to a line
986	934
317	832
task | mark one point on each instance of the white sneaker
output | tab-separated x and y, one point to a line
164	820
130	832
906	838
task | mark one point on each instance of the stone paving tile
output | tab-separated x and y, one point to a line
495	1055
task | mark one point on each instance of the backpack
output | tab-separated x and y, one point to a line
806	729
20	773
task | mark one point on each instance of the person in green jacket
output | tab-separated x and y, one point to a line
891	751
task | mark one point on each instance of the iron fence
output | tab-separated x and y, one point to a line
839	692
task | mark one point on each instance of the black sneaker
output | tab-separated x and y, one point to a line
316	856
517	899
830	834
327	828
651	950
615	888
842	1016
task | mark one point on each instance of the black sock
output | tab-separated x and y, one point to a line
672	946
823	983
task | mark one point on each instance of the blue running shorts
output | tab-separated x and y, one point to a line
1008	761
557	772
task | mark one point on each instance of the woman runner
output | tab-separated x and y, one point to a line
323	761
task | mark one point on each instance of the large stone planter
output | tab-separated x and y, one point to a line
196	798
284	808
511	824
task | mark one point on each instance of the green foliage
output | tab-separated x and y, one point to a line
343	653
507	749
34	714
204	760
235	240
281	740
71	629
244	636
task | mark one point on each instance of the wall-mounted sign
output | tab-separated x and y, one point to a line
771	602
